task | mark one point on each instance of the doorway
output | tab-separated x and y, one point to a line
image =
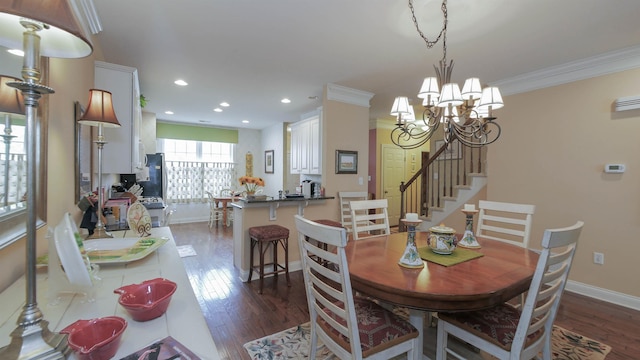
393	172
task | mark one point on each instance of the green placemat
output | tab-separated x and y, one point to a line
459	255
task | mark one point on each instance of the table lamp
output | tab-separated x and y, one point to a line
26	25
11	102
99	113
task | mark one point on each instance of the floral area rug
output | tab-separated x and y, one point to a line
294	344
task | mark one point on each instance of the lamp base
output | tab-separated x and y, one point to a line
35	341
99	233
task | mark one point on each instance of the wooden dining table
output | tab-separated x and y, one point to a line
502	272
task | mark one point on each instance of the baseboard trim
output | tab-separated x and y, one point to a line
609	296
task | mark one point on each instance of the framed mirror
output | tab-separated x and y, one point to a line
13	215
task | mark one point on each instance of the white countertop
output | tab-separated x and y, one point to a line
183	320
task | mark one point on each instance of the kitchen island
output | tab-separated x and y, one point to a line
266	211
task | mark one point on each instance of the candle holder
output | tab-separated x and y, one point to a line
468	239
410	258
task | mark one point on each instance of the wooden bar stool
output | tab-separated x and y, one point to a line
265	237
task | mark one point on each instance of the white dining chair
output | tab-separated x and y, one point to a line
506	222
345	210
506	332
215	212
230	194
350	326
369	218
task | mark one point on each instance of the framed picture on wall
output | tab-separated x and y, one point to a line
268	161
346	162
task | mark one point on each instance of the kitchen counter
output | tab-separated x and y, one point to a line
259	212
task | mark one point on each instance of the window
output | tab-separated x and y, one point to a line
190	150
197	167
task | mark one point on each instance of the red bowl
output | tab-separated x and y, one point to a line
148	300
96	339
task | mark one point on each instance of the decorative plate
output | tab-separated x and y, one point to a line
139	219
69	253
121	250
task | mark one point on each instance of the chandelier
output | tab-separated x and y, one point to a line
466	115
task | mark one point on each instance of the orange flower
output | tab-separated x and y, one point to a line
250	183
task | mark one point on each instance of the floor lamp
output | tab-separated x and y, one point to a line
11	102
27	25
99	113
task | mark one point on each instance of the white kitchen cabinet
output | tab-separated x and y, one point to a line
306	146
123	152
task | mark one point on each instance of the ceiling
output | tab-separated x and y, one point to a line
252	54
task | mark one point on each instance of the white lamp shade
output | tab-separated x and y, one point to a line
411	116
491	97
429	88
100	110
64	37
400	106
479	112
450	95
472	89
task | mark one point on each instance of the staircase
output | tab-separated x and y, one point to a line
450	177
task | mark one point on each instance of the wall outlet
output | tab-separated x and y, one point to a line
598	258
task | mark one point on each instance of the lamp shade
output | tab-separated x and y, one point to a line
410	116
450	95
471	90
400	106
491	97
63	36
11	100
429	88
100	110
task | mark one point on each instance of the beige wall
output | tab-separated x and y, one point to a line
344	127
554	145
71	79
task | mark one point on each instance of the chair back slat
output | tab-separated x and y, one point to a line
370	217
506	222
345	210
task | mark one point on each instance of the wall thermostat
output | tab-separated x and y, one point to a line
614	168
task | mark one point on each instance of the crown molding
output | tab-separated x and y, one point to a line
86	12
348	95
607	63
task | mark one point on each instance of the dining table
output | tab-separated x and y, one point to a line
497	273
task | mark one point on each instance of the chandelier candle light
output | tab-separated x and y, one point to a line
466	115
410	258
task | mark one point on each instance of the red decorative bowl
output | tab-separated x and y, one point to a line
148	300
96	339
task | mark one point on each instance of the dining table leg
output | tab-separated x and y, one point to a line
416	318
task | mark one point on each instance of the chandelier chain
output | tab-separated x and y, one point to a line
442	34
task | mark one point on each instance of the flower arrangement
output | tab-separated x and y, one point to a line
250	183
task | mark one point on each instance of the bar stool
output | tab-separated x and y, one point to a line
265	237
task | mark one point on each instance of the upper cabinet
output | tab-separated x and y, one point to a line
306	152
123	153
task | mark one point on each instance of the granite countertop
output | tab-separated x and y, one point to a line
270	199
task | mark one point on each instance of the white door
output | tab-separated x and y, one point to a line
393	170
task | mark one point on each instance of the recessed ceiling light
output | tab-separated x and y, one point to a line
16	52
245	121
180	82
224	103
285	101
169	112
217	110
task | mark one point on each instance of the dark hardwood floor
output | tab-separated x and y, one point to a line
236	313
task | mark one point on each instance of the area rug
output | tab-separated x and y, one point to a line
294	344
